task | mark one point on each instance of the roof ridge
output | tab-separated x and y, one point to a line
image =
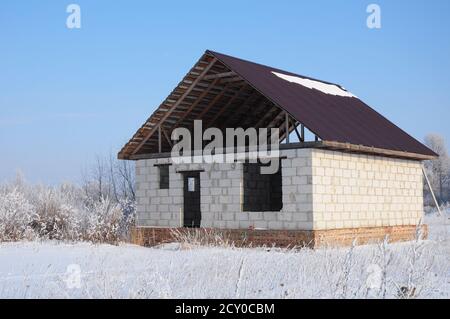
215	53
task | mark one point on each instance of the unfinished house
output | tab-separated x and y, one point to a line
345	173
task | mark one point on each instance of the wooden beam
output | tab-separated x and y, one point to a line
235	79
300	139
162	164
276	119
212	102
374	150
167	114
167	137
286	131
181	171
268	115
168	154
334	146
431	190
301	145
159	139
286	119
219	75
193	105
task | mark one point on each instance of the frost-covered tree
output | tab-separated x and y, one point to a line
110	178
438	170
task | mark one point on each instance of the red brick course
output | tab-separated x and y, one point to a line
149	236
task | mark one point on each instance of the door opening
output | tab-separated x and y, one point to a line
192	214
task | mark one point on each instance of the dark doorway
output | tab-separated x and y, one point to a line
192	214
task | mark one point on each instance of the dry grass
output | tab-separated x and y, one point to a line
201	237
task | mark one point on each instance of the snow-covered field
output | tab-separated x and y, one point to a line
81	270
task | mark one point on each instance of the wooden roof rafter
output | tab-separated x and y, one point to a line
153	130
202	95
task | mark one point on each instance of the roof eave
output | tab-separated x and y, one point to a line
328	145
377	151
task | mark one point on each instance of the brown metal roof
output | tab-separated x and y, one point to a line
332	117
225	91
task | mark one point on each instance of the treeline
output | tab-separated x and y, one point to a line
438	171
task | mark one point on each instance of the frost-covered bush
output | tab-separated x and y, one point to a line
55	215
61	213
15	215
102	224
128	208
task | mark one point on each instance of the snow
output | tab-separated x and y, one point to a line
311	84
49	269
439	226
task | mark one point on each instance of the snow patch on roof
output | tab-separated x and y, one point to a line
311	84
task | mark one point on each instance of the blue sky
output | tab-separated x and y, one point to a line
69	95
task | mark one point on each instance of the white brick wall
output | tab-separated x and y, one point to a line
352	190
221	192
343	190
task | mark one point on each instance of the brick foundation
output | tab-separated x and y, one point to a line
366	235
151	236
